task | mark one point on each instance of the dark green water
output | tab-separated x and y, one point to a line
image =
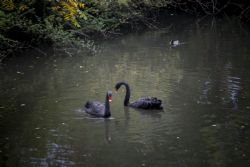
203	83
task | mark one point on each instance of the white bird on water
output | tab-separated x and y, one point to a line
174	43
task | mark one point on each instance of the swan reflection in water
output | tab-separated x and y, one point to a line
150	113
107	130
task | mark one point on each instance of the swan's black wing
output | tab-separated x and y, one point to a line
95	108
147	103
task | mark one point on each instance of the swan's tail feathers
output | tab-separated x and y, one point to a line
156	103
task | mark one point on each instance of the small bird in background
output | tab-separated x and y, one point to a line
174	43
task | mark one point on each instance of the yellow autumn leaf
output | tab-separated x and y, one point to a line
81	5
8	5
23	7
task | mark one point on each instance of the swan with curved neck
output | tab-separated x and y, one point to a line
99	109
144	102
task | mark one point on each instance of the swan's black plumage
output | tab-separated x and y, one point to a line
144	102
99	109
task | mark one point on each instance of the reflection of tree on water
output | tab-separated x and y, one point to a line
57	155
59	151
227	84
232	87
233	84
203	99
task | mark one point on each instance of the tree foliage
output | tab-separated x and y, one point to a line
7	5
62	21
70	10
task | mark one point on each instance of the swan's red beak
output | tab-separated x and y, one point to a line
110	98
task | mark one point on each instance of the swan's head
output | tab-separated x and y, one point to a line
118	85
109	96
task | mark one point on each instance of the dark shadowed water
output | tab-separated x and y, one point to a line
204	84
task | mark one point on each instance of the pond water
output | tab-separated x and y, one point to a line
204	85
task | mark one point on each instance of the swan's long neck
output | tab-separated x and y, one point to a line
107	108
127	96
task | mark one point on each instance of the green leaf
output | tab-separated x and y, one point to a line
83	15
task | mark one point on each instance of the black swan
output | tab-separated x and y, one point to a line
143	103
99	109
